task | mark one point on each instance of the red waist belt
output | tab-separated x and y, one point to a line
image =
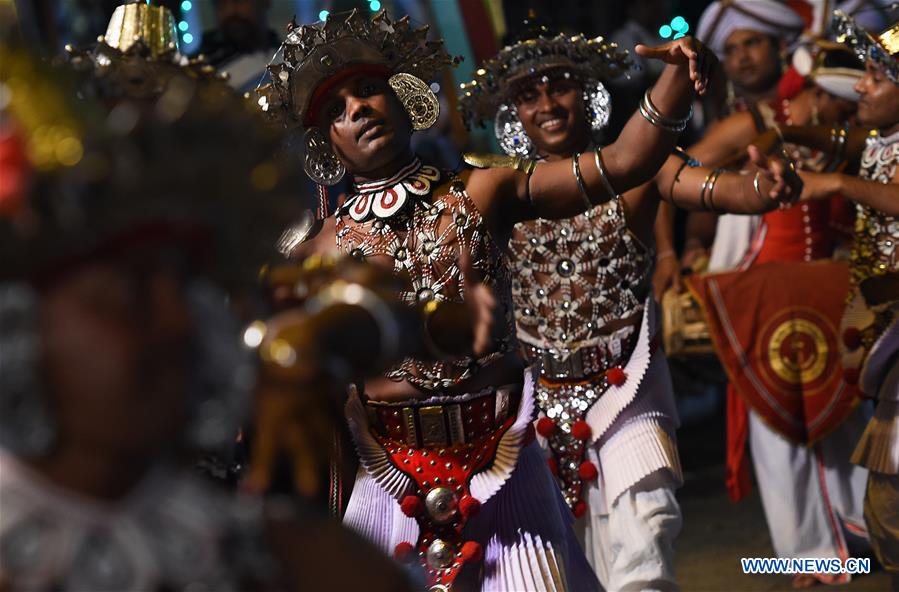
440	447
443	424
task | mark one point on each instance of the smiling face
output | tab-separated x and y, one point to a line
879	97
751	60
368	128
553	115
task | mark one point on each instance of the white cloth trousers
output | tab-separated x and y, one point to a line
631	545
812	495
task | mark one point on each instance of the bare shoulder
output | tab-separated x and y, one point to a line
321	242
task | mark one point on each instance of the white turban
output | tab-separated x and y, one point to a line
724	17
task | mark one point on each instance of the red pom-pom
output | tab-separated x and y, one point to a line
403	552
472	552
530	434
469	506
852	338
851	375
546	427
581	430
616	376
411	506
553	465
587	471
579	509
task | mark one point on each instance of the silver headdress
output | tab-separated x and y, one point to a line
882	49
318	55
492	92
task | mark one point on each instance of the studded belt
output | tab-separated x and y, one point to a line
440	447
431	425
583	362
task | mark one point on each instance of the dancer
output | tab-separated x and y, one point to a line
871	322
440	442
584	306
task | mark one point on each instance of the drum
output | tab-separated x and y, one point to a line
685	331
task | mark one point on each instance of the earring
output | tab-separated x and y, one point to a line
320	162
599	105
25	426
814	117
417	98
510	133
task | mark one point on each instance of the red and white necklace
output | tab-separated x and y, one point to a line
385	197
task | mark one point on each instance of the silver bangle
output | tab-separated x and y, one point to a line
656	118
576	170
354	294
597	159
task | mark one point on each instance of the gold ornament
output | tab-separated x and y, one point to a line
491	161
417	98
153	26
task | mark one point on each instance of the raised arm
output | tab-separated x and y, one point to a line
687	185
840	142
564	188
880	196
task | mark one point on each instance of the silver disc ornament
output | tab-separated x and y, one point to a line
320	162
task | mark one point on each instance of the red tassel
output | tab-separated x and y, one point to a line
588	471
581	430
579	509
472	552
411	506
616	376
469	506
546	427
403	552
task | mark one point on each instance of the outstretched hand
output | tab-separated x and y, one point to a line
785	186
819	185
686	51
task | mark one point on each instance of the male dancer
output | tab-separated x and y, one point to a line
585	311
439	442
870	327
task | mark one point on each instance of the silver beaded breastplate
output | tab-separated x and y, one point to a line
402	223
572	277
876	234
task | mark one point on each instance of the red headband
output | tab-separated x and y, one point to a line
321	91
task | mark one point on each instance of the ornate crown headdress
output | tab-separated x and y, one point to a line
346	43
882	49
490	96
319	55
